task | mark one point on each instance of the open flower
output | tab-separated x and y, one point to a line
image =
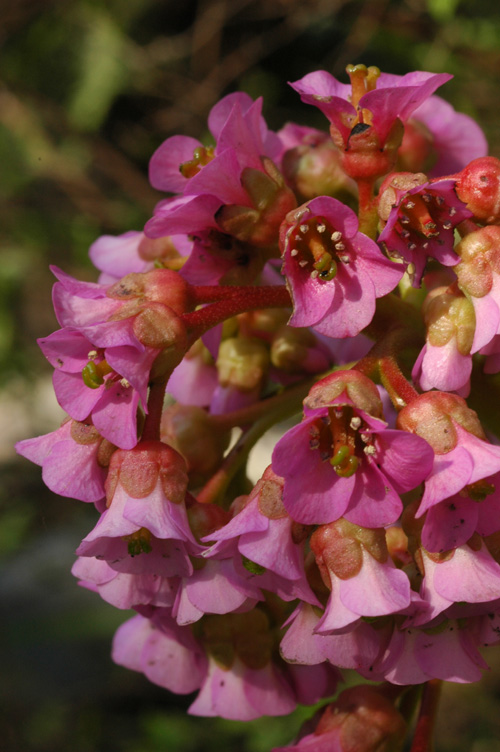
333	271
342	461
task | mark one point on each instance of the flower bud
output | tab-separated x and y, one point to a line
364	720
417	152
480	254
270	200
242	363
296	350
478	185
449	314
191	432
313	169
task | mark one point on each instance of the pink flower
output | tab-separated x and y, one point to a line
373	99
420	218
74	460
357	569
343	462
167	654
334	272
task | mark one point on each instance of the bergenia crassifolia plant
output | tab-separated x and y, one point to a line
351	279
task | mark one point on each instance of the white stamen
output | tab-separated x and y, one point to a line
452	211
314	274
345	259
303	263
303	229
338	412
339	247
294	252
321	228
355	422
410	204
336	236
410	269
370	450
92	354
365	437
124	383
447	225
404	220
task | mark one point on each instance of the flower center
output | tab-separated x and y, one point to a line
363	80
202	155
342	439
319	248
423	215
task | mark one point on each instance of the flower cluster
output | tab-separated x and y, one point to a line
353	275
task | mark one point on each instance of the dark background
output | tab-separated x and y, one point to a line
89	90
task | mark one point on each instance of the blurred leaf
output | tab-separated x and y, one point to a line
103	72
442	10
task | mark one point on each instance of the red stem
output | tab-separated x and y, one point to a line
242	299
423	738
151	430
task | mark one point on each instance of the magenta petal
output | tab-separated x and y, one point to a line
373	502
405	458
353	305
115	416
221	178
471	576
444	655
320	502
488	321
67	350
72	470
450	524
164	173
74	397
450	473
376	590
183	216
220	112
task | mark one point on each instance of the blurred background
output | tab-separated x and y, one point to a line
90	89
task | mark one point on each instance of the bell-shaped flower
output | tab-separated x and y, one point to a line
333	271
342	461
420	217
74	460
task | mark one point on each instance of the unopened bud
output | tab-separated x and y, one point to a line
242	363
315	170
417	152
296	350
478	186
448	314
271	200
363	720
480	260
190	430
